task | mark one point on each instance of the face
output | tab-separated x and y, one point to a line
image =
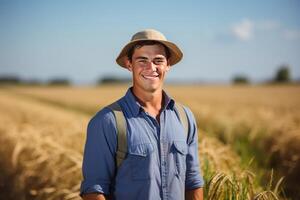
149	66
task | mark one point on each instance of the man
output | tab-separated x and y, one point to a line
162	158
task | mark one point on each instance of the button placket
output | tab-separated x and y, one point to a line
152	123
163	148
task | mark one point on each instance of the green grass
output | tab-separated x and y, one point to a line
250	150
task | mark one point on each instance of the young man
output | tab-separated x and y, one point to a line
161	159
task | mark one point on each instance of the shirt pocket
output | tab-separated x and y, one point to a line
179	149
140	159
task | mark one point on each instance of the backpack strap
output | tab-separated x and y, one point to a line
182	117
121	132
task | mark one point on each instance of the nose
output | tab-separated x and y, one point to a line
151	66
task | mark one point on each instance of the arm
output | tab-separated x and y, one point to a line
98	165
194	179
93	197
195	194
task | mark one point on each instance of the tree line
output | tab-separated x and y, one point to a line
282	75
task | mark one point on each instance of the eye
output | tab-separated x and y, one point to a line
158	62
142	61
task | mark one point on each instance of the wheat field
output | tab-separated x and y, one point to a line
249	138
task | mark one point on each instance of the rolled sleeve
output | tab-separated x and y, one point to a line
94	186
194	178
98	165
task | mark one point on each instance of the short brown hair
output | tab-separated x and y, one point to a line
144	43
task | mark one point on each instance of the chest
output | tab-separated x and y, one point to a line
145	129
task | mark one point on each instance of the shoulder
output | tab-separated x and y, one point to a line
189	113
187	110
104	116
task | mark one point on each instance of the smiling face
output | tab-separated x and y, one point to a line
149	66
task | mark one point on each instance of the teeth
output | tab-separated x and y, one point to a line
150	76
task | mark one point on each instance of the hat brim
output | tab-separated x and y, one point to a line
175	53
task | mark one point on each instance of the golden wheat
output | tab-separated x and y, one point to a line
49	140
45	145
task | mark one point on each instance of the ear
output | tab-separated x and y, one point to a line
128	64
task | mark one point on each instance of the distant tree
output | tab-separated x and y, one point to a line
112	79
33	82
59	81
240	79
283	74
6	79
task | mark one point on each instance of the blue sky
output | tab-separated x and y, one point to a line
80	40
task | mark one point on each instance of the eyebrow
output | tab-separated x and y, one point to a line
160	57
142	57
145	58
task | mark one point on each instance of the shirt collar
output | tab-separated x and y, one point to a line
169	102
135	106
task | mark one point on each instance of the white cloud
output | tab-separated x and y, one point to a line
246	29
243	30
291	34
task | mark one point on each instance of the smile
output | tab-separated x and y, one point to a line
150	77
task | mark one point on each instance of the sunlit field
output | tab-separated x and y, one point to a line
249	138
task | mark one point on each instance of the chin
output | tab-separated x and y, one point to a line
152	88
148	87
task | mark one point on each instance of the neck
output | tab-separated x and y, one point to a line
152	102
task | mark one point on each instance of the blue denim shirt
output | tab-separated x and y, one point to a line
162	160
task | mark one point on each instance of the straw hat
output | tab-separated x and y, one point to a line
154	35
